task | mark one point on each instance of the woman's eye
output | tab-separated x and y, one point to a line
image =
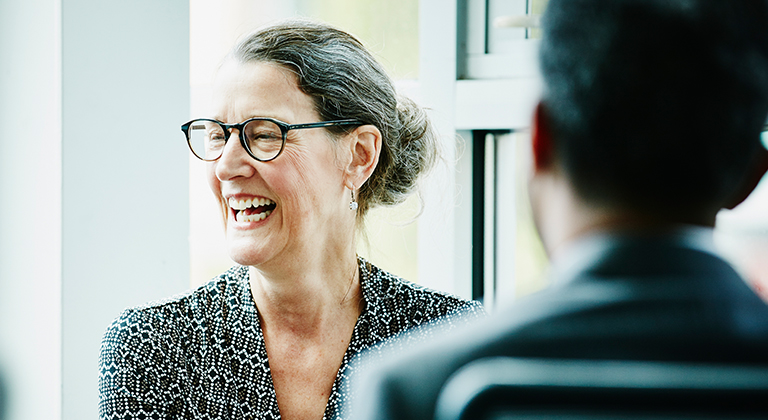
263	135
216	137
263	131
267	136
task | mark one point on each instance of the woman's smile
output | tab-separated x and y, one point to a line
247	210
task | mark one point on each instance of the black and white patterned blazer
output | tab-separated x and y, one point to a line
201	355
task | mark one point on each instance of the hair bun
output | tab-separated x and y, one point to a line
412	151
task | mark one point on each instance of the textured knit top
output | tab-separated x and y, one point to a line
202	354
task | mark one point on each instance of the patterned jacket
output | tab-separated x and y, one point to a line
201	355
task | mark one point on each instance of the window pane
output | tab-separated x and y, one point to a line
389	28
537	8
742	235
521	260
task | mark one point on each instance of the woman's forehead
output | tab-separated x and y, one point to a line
260	89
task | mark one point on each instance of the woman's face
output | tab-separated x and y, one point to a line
297	203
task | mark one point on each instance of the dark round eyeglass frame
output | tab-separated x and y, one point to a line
284	129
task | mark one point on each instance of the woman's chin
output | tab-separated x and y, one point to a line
247	253
247	242
245	258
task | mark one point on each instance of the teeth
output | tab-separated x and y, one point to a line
251	202
245	204
253	217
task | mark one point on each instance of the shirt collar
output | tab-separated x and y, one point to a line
579	254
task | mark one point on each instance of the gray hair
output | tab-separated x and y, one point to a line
345	81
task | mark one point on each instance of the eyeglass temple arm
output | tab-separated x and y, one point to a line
323	124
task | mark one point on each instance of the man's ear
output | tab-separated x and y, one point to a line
542	145
758	169
365	146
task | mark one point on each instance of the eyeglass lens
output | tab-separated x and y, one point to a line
264	139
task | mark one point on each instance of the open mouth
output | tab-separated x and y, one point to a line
252	209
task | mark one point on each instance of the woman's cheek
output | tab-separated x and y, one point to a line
215	186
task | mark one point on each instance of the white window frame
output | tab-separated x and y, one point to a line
471	89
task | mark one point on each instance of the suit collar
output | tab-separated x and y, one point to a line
590	250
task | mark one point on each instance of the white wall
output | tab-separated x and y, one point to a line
30	209
93	186
125	222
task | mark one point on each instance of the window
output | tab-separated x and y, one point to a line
508	259
496	89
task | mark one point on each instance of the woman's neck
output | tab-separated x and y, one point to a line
306	297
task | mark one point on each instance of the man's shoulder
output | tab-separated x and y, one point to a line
405	382
588	316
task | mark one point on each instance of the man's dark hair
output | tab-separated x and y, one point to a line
656	105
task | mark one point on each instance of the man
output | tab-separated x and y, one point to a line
648	125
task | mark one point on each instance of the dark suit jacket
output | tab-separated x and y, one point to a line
612	297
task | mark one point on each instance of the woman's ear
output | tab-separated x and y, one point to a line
365	146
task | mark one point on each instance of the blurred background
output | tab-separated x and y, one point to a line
102	206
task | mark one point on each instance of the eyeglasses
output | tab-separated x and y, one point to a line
262	138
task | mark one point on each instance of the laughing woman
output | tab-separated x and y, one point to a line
308	135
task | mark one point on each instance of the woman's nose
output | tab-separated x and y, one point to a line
234	161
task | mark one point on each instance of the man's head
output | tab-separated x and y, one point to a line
655	105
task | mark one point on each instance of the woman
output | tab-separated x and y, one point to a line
319	138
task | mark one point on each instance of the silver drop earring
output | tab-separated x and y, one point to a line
353	203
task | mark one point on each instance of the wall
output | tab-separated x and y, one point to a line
94	186
30	210
125	84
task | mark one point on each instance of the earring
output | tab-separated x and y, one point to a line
353	203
